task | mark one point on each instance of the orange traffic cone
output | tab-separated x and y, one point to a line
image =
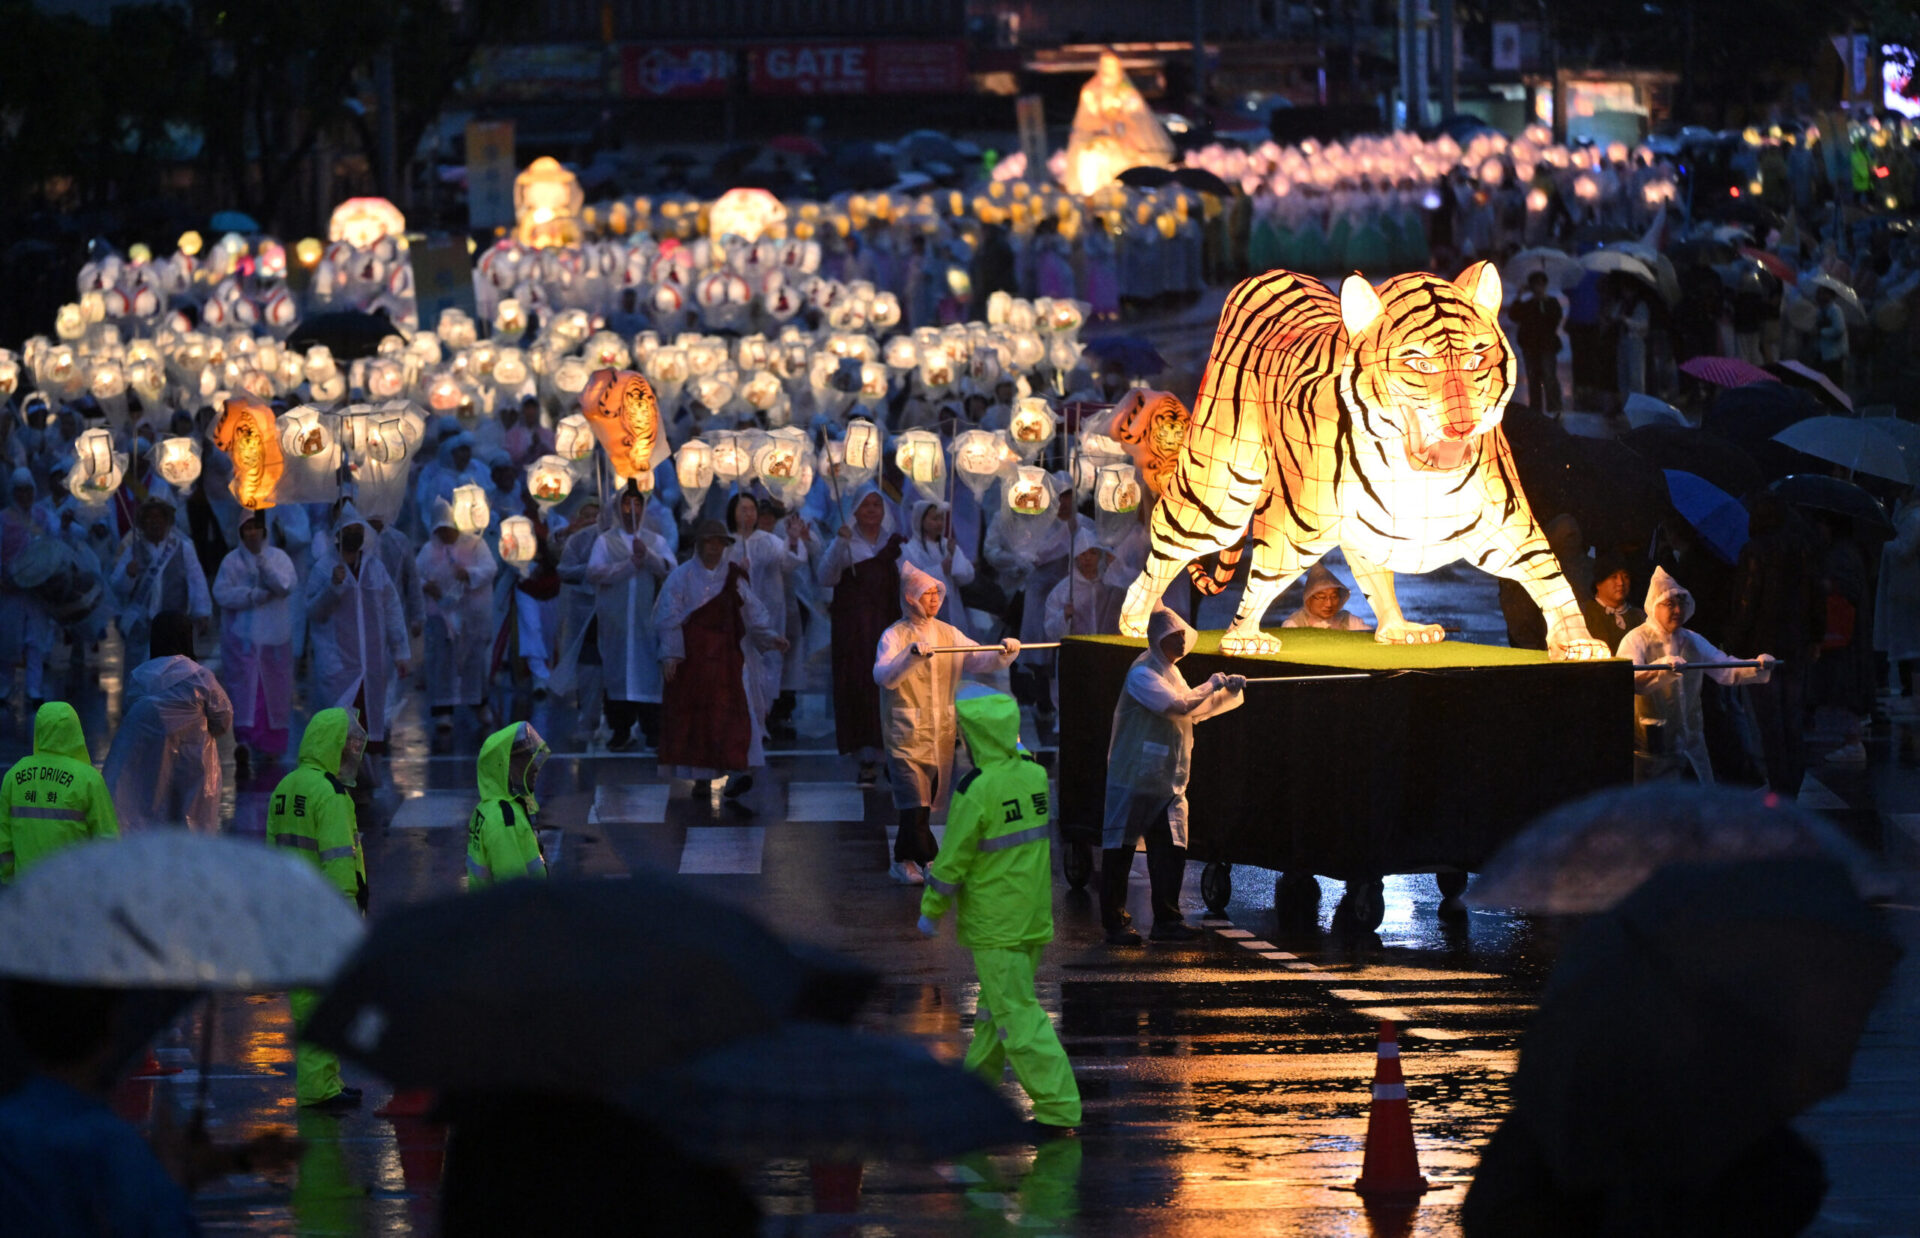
1391	1170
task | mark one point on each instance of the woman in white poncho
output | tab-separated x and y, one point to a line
456	578
1672	697
933	551
164	766
917	692
253	587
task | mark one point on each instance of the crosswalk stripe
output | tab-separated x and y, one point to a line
635	804
723	849
825	801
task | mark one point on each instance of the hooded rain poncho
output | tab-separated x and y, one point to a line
1151	750
1673	697
460	626
359	629
917	692
164	766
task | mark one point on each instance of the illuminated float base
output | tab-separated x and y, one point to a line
1427	766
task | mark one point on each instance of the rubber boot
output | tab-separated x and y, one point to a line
1116	864
1166	873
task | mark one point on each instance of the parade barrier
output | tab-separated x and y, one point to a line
1390	1172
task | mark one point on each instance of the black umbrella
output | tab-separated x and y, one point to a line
827	1093
1695	1019
1618	498
1147	176
348	334
1700	452
1749	417
1832	494
1132	354
1203	181
574	987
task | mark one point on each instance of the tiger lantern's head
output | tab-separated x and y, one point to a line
620	406
1427	363
1152	425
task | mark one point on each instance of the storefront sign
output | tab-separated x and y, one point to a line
857	68
674	71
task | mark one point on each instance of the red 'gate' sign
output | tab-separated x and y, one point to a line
857	68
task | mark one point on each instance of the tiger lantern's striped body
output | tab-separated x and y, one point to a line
1371	422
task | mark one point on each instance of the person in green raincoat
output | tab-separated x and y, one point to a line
501	844
311	815
54	798
995	868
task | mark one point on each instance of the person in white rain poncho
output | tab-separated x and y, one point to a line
770	560
164	766
157	571
253	586
1086	602
359	631
1671	699
933	551
1148	759
625	567
22	523
1324	604
712	629
456	579
917	692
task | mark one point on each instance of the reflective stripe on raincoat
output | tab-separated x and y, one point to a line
54	798
311	814
995	865
501	844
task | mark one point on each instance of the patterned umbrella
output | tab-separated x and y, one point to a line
1726	372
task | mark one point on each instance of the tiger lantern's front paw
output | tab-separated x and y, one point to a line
1404	633
1250	640
1578	649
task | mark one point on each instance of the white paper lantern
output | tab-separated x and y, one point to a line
573	438
9	377
693	465
304	433
1116	488
517	541
732	455
510	368
549	480
1029	492
1031	427
177	459
860	453
470	511
980	456
98	468
901	354
922	459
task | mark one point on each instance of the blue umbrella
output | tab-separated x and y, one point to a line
1132	353
1716	515
234	221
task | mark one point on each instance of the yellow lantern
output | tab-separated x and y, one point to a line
745	213
245	431
546	205
549	480
177	459
191	243
308	251
517	541
365	222
625	417
470	512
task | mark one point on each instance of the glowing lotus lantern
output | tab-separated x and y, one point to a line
245	431
549	480
470	511
364	222
979	457
922	459
573	438
1029	492
177	459
304	433
98	469
625	417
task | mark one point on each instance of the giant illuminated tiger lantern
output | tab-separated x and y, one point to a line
1368	421
246	432
625	416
